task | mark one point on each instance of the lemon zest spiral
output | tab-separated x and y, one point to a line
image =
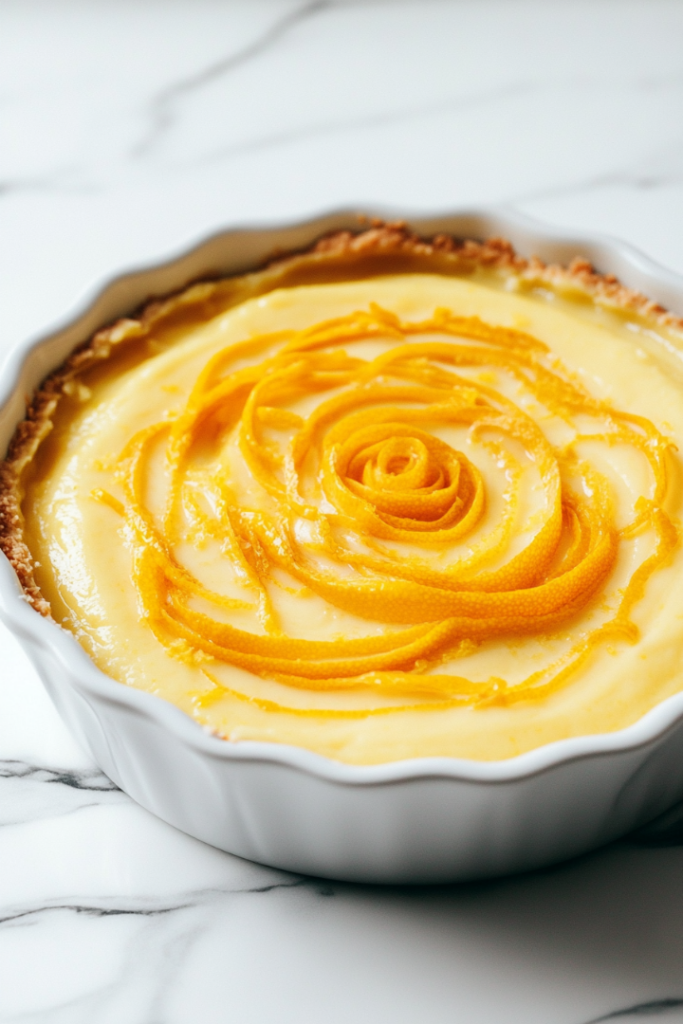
366	464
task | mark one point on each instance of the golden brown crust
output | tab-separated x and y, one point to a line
25	441
499	254
392	244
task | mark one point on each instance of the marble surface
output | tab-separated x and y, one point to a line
127	130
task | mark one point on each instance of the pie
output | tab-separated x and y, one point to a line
387	498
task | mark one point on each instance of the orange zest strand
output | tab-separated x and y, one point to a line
362	502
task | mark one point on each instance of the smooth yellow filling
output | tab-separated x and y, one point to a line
403	516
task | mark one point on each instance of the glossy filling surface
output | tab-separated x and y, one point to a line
395	517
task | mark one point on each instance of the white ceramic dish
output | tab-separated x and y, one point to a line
423	820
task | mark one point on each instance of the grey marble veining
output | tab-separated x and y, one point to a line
163	108
28	791
127	130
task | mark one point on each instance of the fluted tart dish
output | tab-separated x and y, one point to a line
392	499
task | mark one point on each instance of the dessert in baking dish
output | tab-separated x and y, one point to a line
388	498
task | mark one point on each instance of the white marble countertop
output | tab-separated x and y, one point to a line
129	129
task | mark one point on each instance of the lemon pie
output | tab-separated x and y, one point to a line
387	498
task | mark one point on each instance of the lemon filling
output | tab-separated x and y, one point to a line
395	517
